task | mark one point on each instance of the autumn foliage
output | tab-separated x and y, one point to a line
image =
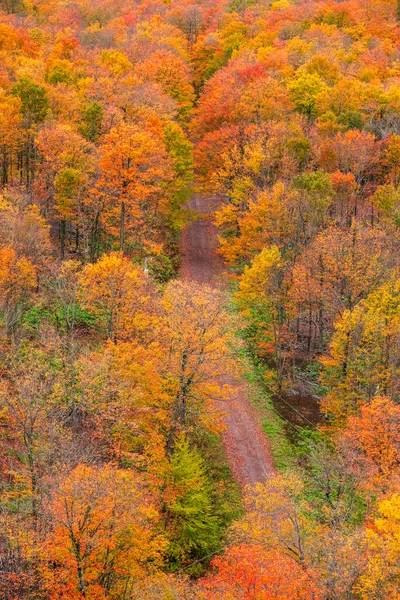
114	371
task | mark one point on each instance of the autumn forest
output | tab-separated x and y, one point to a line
199	299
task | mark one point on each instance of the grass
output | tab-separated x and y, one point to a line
284	453
273	425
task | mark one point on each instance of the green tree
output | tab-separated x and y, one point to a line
91	121
191	521
34	108
34	100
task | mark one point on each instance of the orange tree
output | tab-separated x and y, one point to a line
102	535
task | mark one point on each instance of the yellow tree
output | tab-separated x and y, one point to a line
274	516
363	355
125	398
267	221
198	333
164	587
262	300
245	164
387	199
393	159
381	579
116	292
281	519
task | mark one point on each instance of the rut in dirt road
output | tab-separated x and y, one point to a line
247	449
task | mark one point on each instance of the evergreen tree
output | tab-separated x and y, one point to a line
191	521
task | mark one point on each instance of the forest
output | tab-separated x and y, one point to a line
199	299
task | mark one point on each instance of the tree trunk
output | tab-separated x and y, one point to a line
62	239
180	408
93	243
122	227
4	178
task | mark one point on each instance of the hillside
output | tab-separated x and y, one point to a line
199	300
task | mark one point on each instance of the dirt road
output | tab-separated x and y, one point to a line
246	445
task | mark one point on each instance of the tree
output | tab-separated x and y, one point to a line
304	89
91	121
34	108
180	151
393	159
312	202
17	279
163	587
191	521
66	290
346	189
261	299
373	439
29	395
135	170
102	536
116	292
363	358
126	402
172	73
23	228
250	572
387	199
381	577
63	183
337	270
34	101
334	483
280	518
10	134
268	221
275	517
355	152
69	185
198	330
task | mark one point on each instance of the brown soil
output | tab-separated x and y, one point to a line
247	449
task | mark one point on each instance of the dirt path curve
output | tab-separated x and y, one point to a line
248	452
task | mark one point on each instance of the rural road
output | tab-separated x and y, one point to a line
247	448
